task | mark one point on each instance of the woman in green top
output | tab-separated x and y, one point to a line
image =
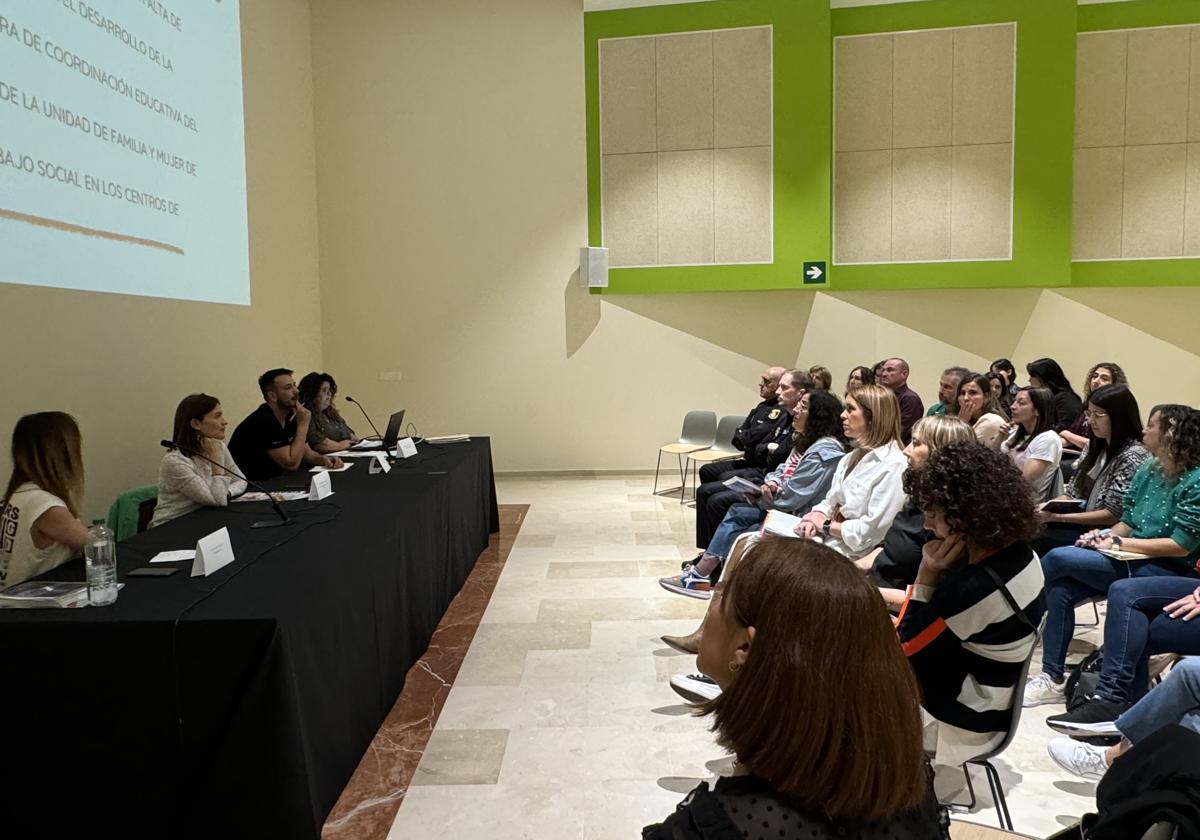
1160	522
327	432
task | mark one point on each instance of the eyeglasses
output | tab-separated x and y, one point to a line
1097	415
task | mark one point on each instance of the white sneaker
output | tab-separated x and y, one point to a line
695	688
1077	757
1041	690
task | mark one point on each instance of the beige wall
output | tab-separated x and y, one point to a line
450	144
119	363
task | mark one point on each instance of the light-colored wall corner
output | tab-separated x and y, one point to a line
120	364
451	179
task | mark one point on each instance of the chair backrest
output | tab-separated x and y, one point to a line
126	512
699	428
1162	831
726	429
1016	709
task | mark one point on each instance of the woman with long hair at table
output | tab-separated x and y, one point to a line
186	481
39	513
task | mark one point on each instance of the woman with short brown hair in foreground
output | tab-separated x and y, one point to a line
800	644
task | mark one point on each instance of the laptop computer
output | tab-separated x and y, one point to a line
390	435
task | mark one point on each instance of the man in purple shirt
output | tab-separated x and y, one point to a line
894	375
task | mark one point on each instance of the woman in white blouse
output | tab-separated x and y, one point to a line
1034	446
867	490
187	483
977	405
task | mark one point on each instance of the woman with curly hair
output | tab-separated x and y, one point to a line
970	619
893	566
1160	527
867	490
821	751
327	432
1075	436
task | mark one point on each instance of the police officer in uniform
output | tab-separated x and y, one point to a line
766	440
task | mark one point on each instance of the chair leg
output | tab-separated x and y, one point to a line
998	795
1096	613
682	477
657	464
964	807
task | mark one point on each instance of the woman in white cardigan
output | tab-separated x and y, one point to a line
868	485
187	483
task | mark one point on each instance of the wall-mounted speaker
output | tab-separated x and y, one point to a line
593	268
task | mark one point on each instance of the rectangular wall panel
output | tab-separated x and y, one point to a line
984	59
922	88
921	204
862	207
685	207
981	209
743	204
1098	199
1100	89
1156	106
742	73
627	96
1191	217
1154	201
1194	88
629	185
685	91
862	93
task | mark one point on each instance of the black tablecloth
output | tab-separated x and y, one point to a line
238	705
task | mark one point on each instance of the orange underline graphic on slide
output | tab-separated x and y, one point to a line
67	227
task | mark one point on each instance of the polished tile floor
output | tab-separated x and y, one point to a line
560	722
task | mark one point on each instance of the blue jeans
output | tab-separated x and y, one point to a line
1136	628
1073	575
738	520
1177	700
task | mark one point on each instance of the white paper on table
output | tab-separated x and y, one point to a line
405	448
212	553
174	556
363	445
369	454
342	468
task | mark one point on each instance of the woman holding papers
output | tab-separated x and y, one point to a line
1095	495
793	487
1158	536
187	482
867	490
327	431
39	514
970	620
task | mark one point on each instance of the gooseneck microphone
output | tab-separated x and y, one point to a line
284	519
368	416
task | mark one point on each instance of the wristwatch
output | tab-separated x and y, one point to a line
825	526
1116	541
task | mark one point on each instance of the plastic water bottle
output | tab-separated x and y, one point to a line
100	556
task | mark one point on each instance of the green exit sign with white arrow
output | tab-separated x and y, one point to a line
814	272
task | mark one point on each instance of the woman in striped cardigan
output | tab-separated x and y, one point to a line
968	625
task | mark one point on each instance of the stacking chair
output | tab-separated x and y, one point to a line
985	761
132	511
699	432
721	450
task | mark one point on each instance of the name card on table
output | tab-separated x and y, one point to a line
379	464
213	552
320	488
405	448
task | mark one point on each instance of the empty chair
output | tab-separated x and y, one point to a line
722	448
699	432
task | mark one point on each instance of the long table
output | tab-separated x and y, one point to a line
238	705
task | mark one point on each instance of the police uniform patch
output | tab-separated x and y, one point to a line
774	415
